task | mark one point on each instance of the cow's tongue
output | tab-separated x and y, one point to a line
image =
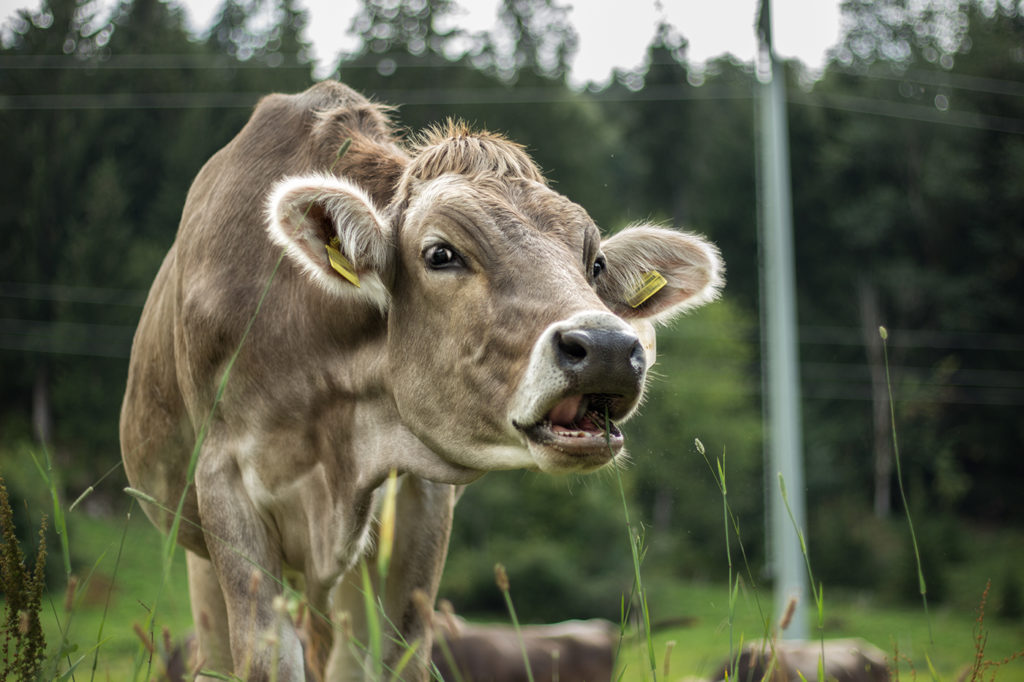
566	413
572	417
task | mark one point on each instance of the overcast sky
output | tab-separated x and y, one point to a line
612	33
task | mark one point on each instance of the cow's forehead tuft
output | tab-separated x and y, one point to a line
453	147
511	204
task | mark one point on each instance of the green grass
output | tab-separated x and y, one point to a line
133	585
703	643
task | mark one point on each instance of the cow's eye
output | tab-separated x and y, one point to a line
442	257
600	265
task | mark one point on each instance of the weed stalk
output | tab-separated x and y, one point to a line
884	333
23	593
634	541
501	578
816	589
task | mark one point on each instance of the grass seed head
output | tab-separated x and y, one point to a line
669	645
787	615
501	577
144	638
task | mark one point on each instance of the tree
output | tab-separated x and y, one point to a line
41	178
534	36
903	196
112	123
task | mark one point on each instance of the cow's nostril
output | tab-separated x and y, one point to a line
573	345
637	355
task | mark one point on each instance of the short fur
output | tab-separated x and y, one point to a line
479	317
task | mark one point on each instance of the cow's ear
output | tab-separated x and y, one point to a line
655	273
330	228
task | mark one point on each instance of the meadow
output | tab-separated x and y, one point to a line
97	629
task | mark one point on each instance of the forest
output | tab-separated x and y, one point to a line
907	155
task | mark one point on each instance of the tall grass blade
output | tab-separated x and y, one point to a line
218	675
110	590
372	623
403	662
501	578
652	660
817	590
387	528
883	332
91	489
59	522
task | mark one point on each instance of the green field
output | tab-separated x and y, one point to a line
116	595
704	644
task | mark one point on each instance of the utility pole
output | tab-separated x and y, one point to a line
785	440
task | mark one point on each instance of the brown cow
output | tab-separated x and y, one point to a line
489	329
844	660
571	651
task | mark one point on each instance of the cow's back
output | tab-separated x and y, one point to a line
214	275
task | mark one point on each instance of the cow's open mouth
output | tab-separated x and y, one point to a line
578	425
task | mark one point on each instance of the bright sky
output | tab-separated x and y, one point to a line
612	33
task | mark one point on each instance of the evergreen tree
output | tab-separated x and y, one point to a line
534	37
42	177
903	196
115	122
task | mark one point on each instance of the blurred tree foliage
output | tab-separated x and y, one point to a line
908	187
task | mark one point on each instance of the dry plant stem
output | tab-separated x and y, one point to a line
979	666
980	636
23	599
60	527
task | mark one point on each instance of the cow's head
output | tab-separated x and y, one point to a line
513	329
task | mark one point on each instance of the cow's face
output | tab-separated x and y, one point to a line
510	339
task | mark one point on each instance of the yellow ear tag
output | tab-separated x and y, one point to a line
650	284
340	263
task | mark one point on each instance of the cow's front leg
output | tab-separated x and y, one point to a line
423	523
213	643
247	561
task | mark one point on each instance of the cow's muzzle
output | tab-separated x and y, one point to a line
585	373
600	360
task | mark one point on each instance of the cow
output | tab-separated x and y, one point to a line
570	651
843	660
340	303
